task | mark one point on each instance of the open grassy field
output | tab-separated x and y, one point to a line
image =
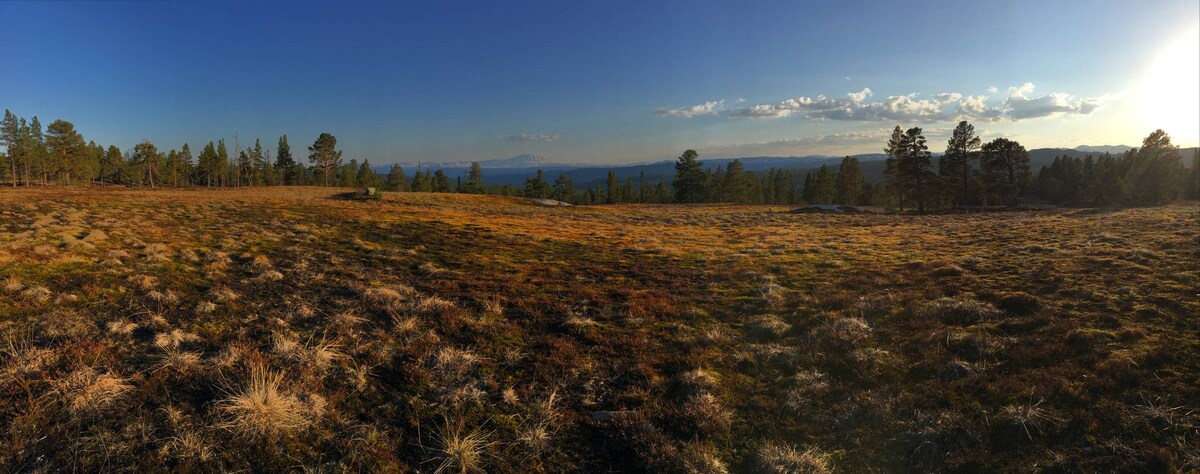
286	329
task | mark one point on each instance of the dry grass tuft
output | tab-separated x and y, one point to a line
37	293
12	284
432	269
263	410
767	327
173	339
205	307
460	450
121	326
179	361
775	458
88	392
23	360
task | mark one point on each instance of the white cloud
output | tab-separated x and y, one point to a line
526	137
974	107
1020	105
992	90
707	108
942	107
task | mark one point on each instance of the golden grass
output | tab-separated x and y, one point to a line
622	338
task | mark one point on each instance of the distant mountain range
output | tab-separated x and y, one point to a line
515	170
1114	149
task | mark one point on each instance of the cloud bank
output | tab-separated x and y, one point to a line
526	137
1021	104
707	108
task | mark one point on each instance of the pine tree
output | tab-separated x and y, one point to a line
955	165
914	166
1191	189
564	189
690	182
441	182
1004	168
66	149
10	136
893	178
146	157
1156	170
325	156
537	187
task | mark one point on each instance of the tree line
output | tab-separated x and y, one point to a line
969	173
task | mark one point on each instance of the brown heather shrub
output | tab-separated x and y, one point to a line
842	333
1019	303
949	270
263	410
776	458
959	311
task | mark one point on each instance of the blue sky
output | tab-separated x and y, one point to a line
603	81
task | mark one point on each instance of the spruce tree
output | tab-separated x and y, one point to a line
849	182
396	181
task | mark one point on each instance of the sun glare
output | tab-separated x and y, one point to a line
1171	90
